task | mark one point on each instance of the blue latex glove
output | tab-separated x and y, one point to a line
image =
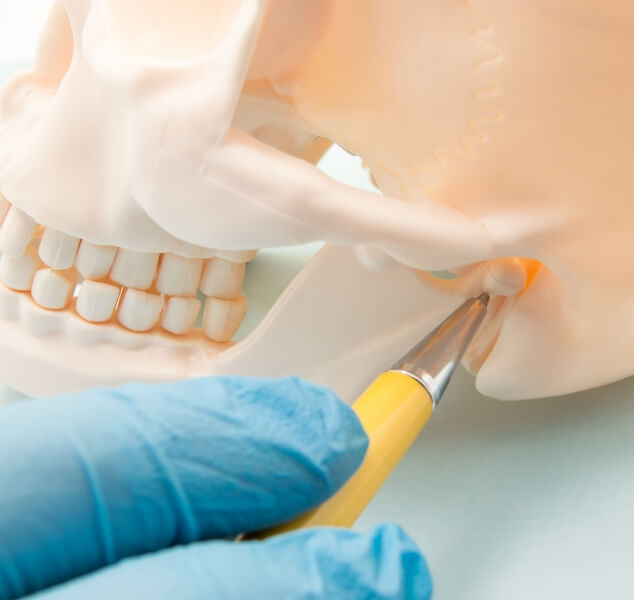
111	494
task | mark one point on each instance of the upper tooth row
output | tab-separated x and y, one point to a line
220	277
137	310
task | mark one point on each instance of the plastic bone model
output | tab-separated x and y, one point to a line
155	141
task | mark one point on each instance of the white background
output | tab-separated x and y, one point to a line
20	21
509	501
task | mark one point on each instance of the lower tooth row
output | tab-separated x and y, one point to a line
137	310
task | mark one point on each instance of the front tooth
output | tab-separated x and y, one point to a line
4	208
94	262
139	311
52	289
239	256
17	272
180	314
223	317
222	278
16	233
96	301
134	269
179	276
58	249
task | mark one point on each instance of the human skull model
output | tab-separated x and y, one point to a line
155	143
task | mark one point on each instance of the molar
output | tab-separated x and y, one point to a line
97	301
16	232
134	269
180	315
17	272
179	276
94	262
223	317
139	311
222	279
53	289
58	249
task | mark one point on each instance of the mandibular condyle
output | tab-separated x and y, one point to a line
139	171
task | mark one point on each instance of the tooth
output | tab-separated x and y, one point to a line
57	249
223	317
239	256
180	314
4	208
16	233
139	311
179	276
96	301
134	269
17	272
222	279
94	262
52	289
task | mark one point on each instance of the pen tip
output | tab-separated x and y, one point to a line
484	298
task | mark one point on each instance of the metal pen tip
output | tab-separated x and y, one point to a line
484	298
433	361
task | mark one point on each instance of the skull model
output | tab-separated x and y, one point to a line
155	143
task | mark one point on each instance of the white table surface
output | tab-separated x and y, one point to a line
510	500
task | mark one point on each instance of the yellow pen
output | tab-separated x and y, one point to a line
393	410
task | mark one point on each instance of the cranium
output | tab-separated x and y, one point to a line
184	134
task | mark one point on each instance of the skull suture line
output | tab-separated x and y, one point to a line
168	130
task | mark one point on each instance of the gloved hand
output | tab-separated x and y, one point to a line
112	494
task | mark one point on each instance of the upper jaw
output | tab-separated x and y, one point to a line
123	150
